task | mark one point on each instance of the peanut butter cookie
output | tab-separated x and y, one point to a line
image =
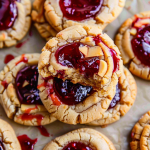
19	95
15	21
133	41
8	139
52	16
84	139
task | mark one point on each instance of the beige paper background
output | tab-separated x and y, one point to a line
119	132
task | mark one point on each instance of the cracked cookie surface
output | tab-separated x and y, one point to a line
83	138
133	41
83	55
19	13
52	16
8	139
19	95
122	101
140	133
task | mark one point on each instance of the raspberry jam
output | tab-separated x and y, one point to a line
2	146
69	55
77	146
141	45
43	131
8	58
116	98
26	143
79	10
70	93
26	85
8	14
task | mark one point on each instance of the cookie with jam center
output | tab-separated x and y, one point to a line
52	16
83	139
19	95
15	21
133	41
121	103
8	139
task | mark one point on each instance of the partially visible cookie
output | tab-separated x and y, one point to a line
124	98
140	133
82	54
8	139
52	16
15	21
84	139
19	95
133	41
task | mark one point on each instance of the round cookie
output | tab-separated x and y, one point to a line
19	95
52	16
133	43
83	138
124	98
82	54
15	21
140	133
8	139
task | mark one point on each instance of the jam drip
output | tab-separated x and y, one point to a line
77	146
141	45
8	58
70	93
8	14
26	85
79	10
2	146
116	98
43	131
70	55
26	143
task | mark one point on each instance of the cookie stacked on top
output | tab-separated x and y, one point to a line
82	79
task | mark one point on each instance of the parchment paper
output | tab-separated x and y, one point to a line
119	132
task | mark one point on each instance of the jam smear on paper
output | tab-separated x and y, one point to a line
43	131
8	58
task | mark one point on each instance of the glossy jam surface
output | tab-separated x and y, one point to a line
116	98
2	146
141	45
77	146
43	131
70	56
8	58
70	93
22	59
26	143
8	14
26	85
79	10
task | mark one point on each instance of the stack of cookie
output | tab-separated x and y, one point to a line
82	79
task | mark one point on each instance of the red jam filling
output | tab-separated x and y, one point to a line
26	85
2	146
4	84
69	93
8	58
69	55
141	45
43	131
116	98
8	14
22	59
26	143
77	146
79	10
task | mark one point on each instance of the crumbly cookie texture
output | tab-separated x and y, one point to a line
83	112
8	97
8	137
123	41
93	138
128	93
48	65
49	19
21	25
140	133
